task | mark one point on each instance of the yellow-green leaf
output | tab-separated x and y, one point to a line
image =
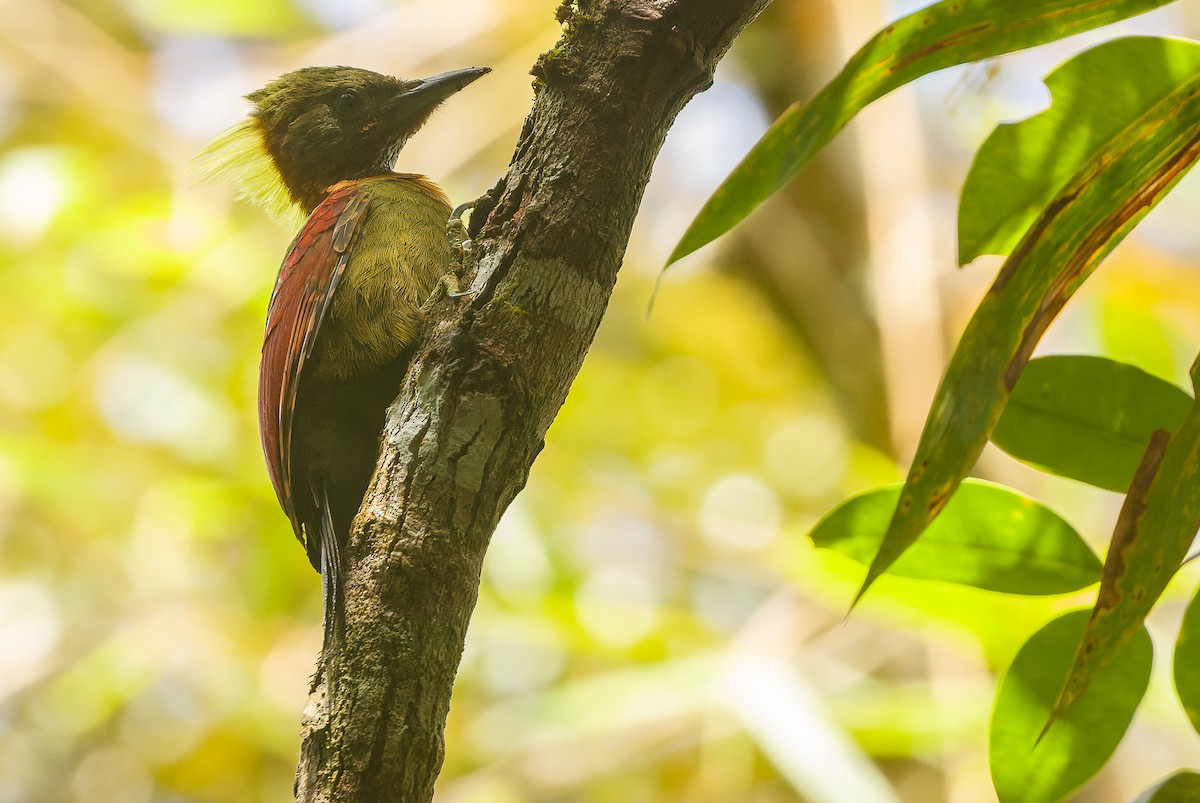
1029	766
989	536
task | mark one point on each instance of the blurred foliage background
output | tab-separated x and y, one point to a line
653	624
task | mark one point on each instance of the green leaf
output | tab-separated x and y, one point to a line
933	38
1030	767
1156	525
1022	166
1122	181
1087	418
1187	662
989	537
1182	787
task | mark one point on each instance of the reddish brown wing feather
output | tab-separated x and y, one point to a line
307	280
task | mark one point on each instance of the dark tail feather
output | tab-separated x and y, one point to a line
331	569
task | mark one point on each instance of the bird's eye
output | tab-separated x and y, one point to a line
347	102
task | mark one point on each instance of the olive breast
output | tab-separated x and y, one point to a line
394	262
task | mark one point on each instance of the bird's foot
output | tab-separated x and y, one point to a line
460	247
456	231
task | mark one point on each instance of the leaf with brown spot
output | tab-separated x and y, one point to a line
1157	525
1121	181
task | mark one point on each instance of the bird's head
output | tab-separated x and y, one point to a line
316	126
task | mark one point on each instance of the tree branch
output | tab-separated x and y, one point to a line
489	378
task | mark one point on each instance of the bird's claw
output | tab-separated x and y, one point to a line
462	208
460	246
456	233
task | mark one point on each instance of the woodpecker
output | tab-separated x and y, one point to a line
347	305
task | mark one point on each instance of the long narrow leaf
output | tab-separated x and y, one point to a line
938	36
1157	524
1103	637
1093	212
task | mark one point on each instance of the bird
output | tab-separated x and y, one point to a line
347	307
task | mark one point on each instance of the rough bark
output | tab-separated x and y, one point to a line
491	374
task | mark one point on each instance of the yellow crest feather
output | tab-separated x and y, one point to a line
237	157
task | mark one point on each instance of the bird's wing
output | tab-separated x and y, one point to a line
303	293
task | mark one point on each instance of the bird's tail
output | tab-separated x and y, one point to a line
331	570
